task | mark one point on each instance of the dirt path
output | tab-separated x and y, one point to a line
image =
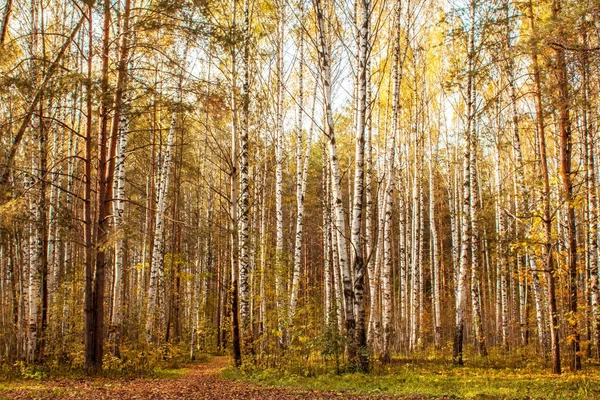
202	382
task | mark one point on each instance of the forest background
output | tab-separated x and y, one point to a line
335	182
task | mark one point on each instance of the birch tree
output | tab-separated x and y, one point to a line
324	57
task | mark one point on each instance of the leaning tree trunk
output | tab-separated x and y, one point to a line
324	57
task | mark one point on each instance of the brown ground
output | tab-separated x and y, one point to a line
202	382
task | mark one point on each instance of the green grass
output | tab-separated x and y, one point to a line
482	379
169	373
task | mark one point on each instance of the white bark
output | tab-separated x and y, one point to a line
339	220
388	197
245	295
359	176
327	246
501	253
156	287
119	213
279	254
435	257
475	251
35	277
301	178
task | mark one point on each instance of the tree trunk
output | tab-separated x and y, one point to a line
548	259
359	176
156	298
121	126
324	57
564	130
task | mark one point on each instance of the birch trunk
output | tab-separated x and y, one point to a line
245	294
466	212
592	199
301	178
35	274
435	257
279	255
502	250
327	246
475	250
121	122
233	214
324	57
359	177
156	287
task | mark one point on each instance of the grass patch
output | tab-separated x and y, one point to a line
22	376
169	373
484	378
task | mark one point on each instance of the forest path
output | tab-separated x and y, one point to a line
202	382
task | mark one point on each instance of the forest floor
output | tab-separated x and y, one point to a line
405	379
481	378
197	381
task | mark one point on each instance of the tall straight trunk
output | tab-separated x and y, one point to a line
454	223
404	273
279	256
502	251
121	125
147	228
548	259
95	322
592	199
35	267
466	212
564	130
386	273
263	254
301	178
324	57
370	215
89	239
233	211
34	185
415	266
156	299
327	244
359	177
195	298
435	256
475	248
338	293
461	285
522	197
539	304
245	289
53	237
